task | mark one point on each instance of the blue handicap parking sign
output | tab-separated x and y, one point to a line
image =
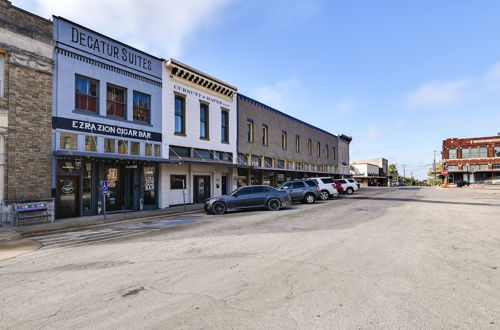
105	187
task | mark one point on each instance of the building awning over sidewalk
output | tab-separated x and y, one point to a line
65	154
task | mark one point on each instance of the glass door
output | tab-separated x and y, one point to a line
114	196
149	187
68	197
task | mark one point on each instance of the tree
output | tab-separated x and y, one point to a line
430	175
393	171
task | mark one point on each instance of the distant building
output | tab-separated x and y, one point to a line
471	159
370	172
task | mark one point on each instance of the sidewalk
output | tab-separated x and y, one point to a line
15	241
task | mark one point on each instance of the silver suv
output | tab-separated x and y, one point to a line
326	187
302	191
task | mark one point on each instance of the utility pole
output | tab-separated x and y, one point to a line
434	167
404	172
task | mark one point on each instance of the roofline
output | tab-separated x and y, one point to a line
474	138
246	98
171	61
105	36
28	12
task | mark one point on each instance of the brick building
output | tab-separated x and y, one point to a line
26	50
471	159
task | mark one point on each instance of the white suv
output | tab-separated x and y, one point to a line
349	185
327	187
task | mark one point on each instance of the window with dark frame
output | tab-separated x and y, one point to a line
224	126
283	140
203	121
180	117
116	101
177	182
249	131
309	147
142	106
327	151
297	143
265	139
86	94
318	149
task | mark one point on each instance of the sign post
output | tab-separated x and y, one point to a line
104	193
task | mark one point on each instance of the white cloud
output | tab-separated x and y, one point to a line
373	132
277	95
492	77
437	93
346	106
150	25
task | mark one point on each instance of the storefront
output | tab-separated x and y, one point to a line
132	185
106	124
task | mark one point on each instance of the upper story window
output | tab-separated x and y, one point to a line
142	107
265	137
284	140
318	149
203	121
224	126
474	152
483	152
452	153
180	115
327	151
2	74
249	131
116	101
297	143
333	153
496	151
86	94
309	146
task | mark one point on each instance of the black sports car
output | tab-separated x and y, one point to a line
248	197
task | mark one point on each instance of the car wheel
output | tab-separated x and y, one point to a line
323	195
219	208
309	199
273	204
350	191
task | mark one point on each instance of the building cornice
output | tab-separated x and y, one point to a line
195	77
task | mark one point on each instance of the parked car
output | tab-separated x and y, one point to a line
348	187
326	186
248	197
494	180
305	191
355	182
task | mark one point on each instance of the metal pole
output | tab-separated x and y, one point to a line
434	167
104	206
184	194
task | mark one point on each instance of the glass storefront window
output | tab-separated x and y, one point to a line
177	182
148	149
149	186
68	141
122	147
67	166
109	145
134	148
90	143
87	187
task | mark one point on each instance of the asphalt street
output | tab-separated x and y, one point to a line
389	258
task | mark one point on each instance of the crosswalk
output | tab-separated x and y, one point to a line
85	237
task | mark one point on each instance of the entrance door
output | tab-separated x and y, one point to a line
68	197
114	196
129	188
201	188
224	185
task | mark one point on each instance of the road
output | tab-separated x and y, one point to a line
392	258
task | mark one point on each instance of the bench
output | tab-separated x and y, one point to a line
31	211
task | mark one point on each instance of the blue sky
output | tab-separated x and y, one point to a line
397	76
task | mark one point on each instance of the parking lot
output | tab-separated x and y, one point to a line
386	258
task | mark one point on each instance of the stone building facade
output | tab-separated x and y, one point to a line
274	147
26	51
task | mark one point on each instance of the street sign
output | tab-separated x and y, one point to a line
445	172
104	187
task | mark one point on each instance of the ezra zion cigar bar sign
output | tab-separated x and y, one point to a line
104	129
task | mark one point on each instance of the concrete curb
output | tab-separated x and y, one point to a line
16	247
